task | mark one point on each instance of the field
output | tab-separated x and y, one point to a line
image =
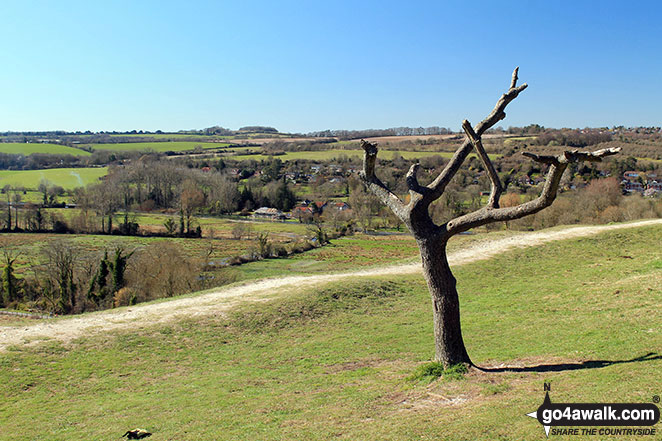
342	254
175	146
17	148
67	178
337	362
515	139
328	155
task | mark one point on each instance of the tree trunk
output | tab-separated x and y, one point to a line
449	346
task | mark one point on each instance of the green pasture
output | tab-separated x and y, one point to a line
36	197
211	225
175	146
336	362
67	178
181	136
18	148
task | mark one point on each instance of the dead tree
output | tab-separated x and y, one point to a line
432	238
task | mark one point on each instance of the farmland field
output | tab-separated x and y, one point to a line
67	178
175	146
17	148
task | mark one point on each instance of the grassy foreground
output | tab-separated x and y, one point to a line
336	362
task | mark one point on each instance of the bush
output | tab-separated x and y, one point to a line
125	297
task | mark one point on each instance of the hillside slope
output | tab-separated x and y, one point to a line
221	300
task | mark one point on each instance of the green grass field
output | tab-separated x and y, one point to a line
336	362
67	178
17	148
218	226
175	146
328	155
514	139
182	136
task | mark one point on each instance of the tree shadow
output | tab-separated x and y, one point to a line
589	364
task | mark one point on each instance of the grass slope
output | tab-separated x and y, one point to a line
65	177
17	148
336	362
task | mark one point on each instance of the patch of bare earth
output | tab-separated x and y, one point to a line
217	302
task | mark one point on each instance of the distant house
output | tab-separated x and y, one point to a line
268	213
655	186
340	206
525	180
631	174
632	186
302	212
320	206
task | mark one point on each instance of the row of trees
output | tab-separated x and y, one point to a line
371	133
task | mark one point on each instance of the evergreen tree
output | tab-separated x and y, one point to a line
285	198
118	268
99	284
8	282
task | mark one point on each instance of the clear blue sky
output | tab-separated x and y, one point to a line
305	66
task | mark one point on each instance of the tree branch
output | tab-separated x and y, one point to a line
513	81
375	185
497	188
412	180
547	196
596	156
438	186
542	159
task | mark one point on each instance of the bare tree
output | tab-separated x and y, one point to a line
60	259
191	198
432	238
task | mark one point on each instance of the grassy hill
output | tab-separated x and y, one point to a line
17	148
175	146
337	362
67	178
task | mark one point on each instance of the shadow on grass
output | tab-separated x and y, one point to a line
589	364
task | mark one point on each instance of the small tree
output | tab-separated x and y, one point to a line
7	191
60	258
317	228
264	245
9	282
118	267
432	238
170	226
191	198
98	289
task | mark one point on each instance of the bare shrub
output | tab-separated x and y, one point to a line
162	270
125	297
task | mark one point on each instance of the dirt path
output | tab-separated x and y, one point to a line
135	317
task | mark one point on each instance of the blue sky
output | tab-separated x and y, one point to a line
306	66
